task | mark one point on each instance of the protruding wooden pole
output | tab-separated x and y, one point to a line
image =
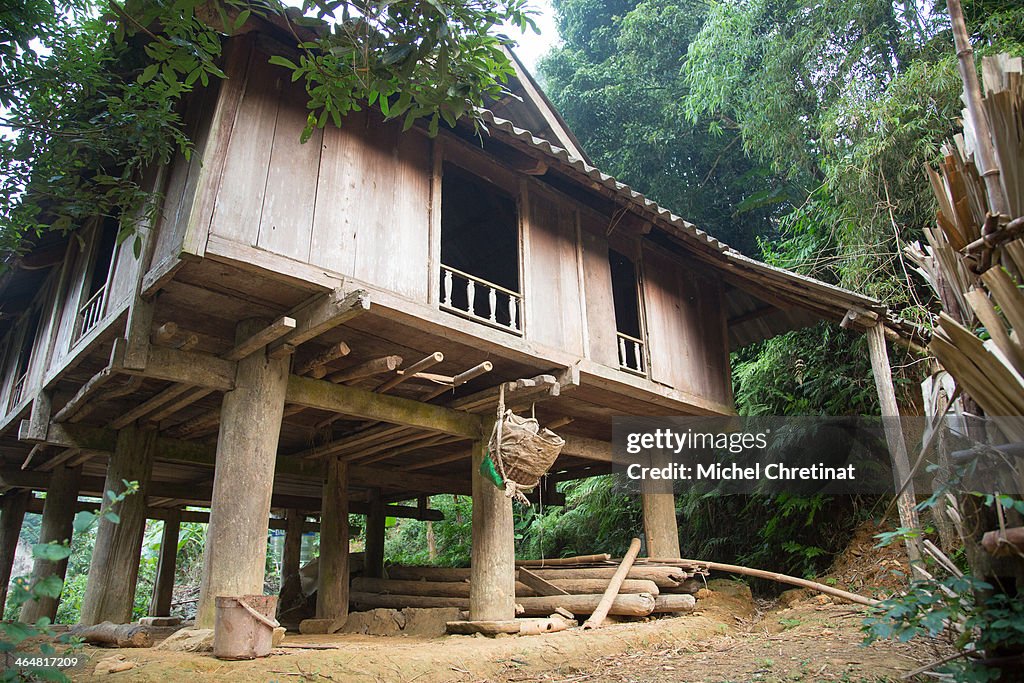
493	571
659	509
110	590
332	592
12	514
236	539
58	516
163	586
375	522
291	560
894	435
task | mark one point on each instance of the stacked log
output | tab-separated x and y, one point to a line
546	587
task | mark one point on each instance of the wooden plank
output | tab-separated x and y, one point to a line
540	585
159	400
286	222
357	402
600	306
553	302
323	313
189	367
246	162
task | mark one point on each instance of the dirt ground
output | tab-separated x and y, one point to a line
727	639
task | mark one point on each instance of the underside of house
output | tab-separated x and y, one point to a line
316	329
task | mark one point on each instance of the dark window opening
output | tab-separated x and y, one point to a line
28	341
626	297
479	251
94	293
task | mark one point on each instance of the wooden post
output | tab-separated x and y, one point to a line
659	509
58	516
12	514
163	586
235	556
291	560
373	566
492	583
882	371
332	592
110	590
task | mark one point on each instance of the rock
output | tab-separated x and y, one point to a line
320	626
375	622
160	621
428	622
278	636
189	640
793	596
113	664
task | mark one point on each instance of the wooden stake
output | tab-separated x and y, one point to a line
601	611
493	573
58	514
163	585
115	557
236	540
332	592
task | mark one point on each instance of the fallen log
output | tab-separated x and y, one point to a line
460	589
674	603
664	577
563	561
110	634
636	605
610	593
775	576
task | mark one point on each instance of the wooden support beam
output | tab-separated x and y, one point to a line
159	400
196	425
272	332
373	564
236	541
64	456
85	394
429	441
493	572
188	367
12	514
316	366
588	449
321	314
332	591
39	417
165	334
163	585
56	526
115	557
419	366
882	372
376	366
186	399
360	403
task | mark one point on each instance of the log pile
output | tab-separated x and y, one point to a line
568	586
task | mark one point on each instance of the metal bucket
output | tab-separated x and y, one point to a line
244	626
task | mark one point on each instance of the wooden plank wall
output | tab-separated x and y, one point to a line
553	295
354	200
597	280
686	336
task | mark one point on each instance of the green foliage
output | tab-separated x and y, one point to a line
406	541
617	82
92	88
13	633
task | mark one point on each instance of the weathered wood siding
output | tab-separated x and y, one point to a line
353	200
685	330
552	293
597	280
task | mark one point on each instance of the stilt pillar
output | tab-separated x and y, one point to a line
291	560
492	582
659	510
12	514
332	591
235	556
114	570
163	586
375	523
58	518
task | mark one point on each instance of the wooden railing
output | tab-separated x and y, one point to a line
16	391
480	300
631	354
91	312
